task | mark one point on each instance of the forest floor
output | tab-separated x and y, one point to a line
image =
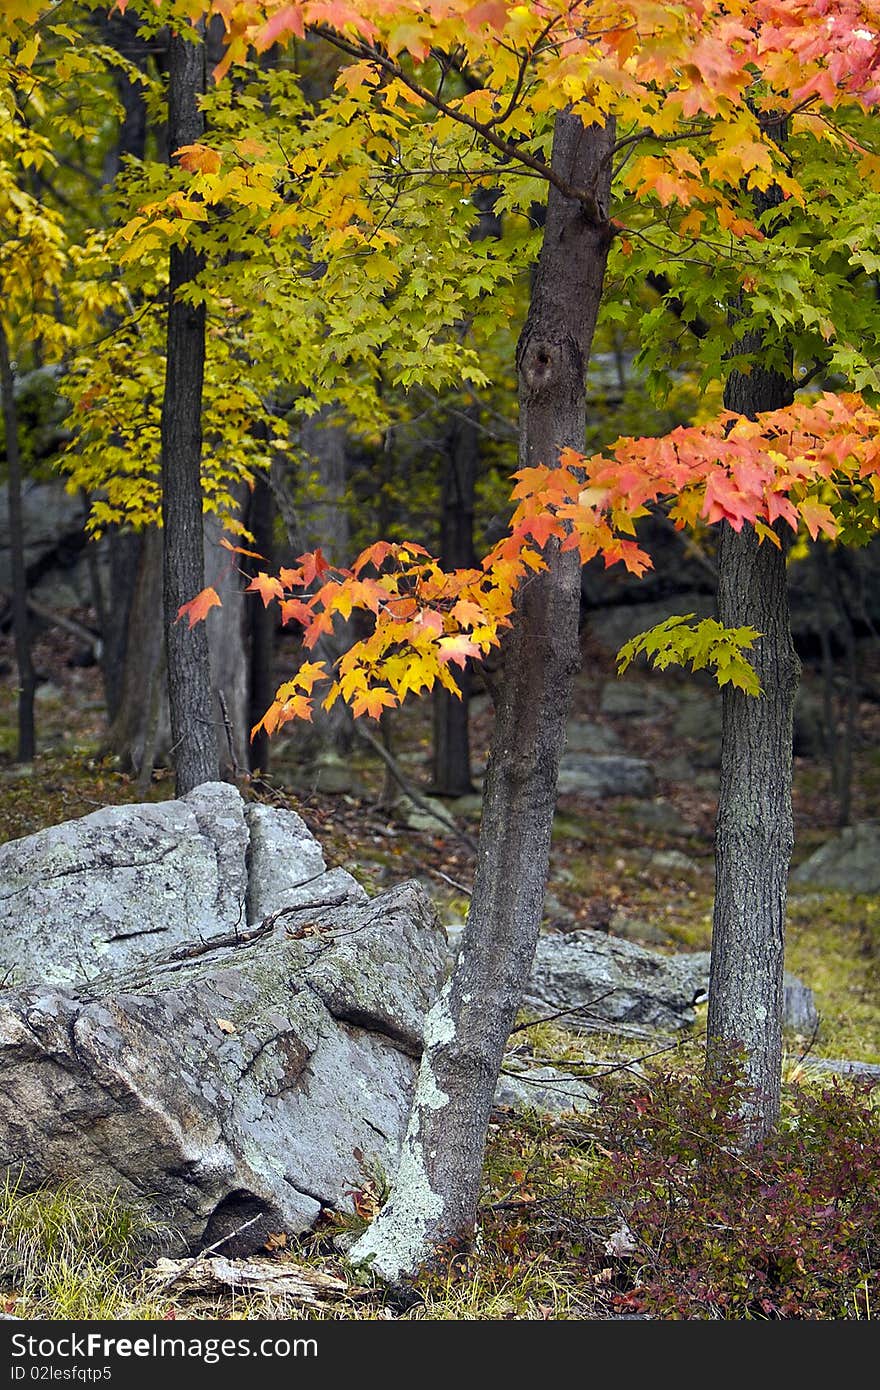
616	864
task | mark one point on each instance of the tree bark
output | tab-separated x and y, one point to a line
27	743
144	688
434	1197
193	733
754	834
452	751
325	448
261	624
226	647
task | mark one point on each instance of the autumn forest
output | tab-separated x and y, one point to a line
439	664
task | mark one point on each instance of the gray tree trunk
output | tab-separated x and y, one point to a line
261	626
434	1196
124	548
27	743
325	515
193	732
754	833
227	650
452	750
135	736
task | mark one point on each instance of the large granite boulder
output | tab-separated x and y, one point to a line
232	1090
116	887
849	862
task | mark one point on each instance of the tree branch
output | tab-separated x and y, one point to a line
365	52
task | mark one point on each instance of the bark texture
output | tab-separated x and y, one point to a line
452	750
193	732
261	626
754	833
434	1197
144	689
27	743
226	647
324	446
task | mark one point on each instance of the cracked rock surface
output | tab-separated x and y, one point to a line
234	1092
103	893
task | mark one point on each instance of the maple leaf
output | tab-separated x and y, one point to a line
198	159
456	649
198	608
267	587
281	712
372	702
432	620
239	550
314	566
309	673
468	613
294	609
489	12
373	555
817	517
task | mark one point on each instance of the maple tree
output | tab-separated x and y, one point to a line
700	89
673	112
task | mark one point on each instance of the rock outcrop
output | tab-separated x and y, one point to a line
119	886
234	1090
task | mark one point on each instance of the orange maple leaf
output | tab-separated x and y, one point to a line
372	702
374	555
240	550
313	566
198	159
267	587
197	609
295	608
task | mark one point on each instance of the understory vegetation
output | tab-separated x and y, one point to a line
650	1207
647	1206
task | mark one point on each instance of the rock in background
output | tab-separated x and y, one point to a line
849	862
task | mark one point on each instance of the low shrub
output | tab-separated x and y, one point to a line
709	1227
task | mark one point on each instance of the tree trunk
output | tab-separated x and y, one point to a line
452	750
27	744
325	513
226	647
144	688
754	833
434	1197
261	623
193	733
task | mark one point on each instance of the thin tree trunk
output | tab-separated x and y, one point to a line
261	622
434	1197
27	744
193	733
754	833
226	646
452	751
144	671
325	447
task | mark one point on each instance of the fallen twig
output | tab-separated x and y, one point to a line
201	1275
